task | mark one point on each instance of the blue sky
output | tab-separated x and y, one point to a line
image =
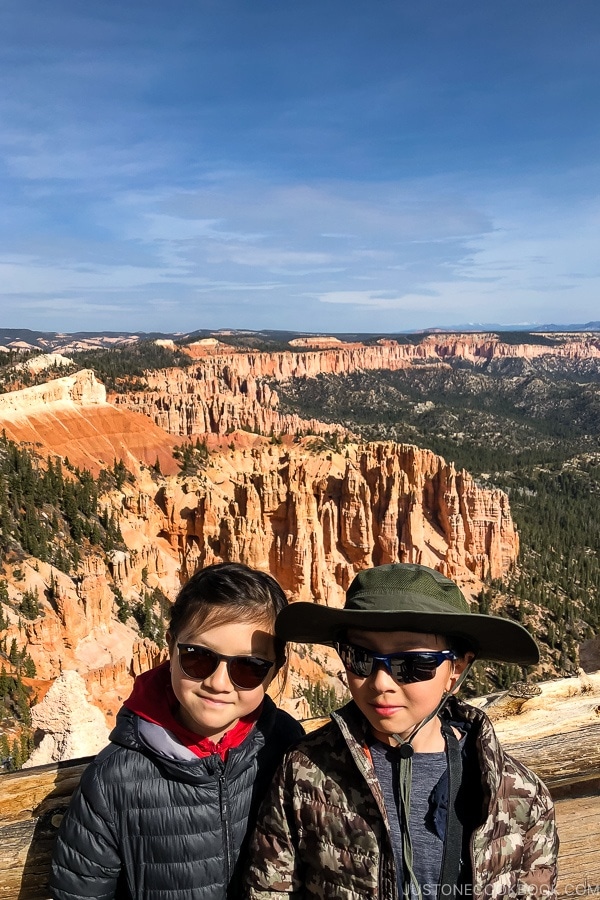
324	165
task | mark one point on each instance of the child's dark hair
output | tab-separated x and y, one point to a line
461	646
234	591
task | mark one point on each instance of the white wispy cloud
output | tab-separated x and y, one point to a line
370	299
188	163
245	237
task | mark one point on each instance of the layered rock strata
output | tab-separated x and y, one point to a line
214	399
345	358
227	390
71	417
311	518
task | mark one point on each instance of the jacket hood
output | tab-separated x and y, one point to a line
160	744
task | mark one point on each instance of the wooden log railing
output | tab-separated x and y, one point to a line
33	801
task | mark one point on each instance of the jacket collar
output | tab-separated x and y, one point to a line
129	732
355	730
491	755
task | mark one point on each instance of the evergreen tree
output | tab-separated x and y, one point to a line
4	751
5	684
16	755
21	701
29	669
30	606
14	656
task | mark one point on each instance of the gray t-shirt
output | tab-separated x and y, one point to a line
427	769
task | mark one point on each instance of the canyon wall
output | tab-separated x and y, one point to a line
81	389
311	517
315	520
215	399
70	417
345	358
78	629
227	389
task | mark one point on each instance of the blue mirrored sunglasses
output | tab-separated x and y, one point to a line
405	667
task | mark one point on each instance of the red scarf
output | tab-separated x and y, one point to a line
153	699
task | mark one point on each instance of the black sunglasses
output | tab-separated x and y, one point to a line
405	667
245	672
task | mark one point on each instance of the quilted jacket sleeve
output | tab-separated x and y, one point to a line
86	861
273	869
538	868
516	849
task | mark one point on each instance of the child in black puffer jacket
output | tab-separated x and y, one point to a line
163	811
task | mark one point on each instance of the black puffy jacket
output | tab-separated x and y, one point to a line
146	824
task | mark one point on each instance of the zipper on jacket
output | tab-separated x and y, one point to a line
361	757
225	830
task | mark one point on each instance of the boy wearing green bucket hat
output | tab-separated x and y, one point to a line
406	794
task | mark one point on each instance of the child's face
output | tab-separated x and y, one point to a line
212	705
389	707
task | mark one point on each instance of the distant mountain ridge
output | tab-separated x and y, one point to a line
526	328
28	339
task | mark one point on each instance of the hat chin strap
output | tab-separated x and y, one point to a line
405	746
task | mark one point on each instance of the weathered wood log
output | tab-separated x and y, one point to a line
33	801
578	822
565	762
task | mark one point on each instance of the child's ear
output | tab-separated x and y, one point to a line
458	667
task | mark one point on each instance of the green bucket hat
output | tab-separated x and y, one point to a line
409	597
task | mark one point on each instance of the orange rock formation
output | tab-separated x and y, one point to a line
312	519
226	391
70	417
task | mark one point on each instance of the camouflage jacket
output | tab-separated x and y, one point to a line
323	831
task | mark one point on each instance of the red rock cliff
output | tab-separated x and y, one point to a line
224	391
314	521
